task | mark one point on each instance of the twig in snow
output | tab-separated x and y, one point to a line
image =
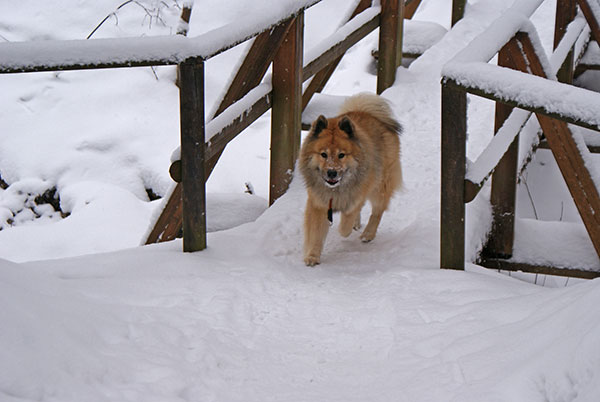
562	207
151	13
153	68
114	13
530	197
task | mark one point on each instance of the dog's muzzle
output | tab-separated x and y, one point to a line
333	178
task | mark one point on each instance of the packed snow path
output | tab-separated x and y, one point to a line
245	320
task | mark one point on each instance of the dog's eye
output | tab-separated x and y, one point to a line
324	155
341	155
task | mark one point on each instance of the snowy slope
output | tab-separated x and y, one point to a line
245	320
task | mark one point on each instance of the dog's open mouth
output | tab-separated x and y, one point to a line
332	182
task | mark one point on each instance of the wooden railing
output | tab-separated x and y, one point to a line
469	72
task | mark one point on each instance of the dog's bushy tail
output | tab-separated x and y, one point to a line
376	106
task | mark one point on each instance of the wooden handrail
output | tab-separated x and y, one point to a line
60	55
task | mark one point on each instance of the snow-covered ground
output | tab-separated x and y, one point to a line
89	315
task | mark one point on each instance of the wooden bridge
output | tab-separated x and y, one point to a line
279	42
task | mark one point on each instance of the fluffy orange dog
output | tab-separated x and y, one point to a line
345	161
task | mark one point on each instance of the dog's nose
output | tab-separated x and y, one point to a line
331	173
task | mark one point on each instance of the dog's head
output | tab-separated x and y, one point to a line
331	149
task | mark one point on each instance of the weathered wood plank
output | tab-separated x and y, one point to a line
454	136
388	48
191	74
286	109
458	10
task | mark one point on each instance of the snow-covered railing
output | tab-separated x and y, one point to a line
525	79
54	55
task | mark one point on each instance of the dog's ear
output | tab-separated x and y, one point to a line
319	125
346	126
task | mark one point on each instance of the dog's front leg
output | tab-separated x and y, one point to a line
349	221
315	232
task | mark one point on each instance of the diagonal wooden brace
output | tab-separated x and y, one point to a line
563	146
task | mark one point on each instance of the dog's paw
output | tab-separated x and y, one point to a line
312	260
357	225
366	237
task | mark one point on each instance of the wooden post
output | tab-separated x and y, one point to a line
454	136
286	109
504	183
565	13
458	10
191	104
388	47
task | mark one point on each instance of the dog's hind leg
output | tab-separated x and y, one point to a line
316	227
371	229
380	200
381	196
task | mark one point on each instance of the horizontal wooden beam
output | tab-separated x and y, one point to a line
512	102
514	266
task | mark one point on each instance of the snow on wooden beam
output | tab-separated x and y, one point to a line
565	102
479	171
572	34
54	55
